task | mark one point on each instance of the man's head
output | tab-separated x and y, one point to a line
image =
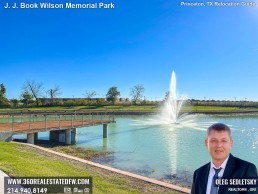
219	142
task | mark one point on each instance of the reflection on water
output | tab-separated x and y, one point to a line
144	146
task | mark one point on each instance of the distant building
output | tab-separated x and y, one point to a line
124	100
89	99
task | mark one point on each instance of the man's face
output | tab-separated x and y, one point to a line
219	144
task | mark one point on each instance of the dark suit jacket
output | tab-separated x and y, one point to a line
235	168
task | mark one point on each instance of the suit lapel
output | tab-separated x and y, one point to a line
229	167
228	170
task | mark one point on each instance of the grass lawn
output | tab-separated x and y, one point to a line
133	108
150	108
216	109
24	161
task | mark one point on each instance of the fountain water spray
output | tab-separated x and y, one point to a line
170	117
172	105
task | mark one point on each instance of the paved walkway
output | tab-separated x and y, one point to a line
2	175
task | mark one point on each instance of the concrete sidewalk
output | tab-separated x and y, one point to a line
2	175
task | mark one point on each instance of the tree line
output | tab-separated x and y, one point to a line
224	103
32	94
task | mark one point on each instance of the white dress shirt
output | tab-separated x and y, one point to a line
212	173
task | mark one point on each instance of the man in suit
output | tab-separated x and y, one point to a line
223	164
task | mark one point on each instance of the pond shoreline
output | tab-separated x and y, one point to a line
92	155
140	183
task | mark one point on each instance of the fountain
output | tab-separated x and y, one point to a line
172	105
170	117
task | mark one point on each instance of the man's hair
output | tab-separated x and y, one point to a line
219	127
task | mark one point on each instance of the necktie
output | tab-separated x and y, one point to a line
214	188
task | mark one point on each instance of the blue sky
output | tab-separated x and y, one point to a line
213	50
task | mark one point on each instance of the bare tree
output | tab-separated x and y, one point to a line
54	92
90	94
34	89
137	93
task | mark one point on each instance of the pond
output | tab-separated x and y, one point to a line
166	151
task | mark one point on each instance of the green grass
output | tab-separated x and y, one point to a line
131	108
22	161
86	108
217	109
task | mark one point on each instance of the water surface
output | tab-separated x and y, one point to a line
143	146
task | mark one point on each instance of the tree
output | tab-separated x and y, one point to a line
112	94
101	102
15	102
90	94
166	96
26	98
54	92
34	89
3	99
2	89
137	93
